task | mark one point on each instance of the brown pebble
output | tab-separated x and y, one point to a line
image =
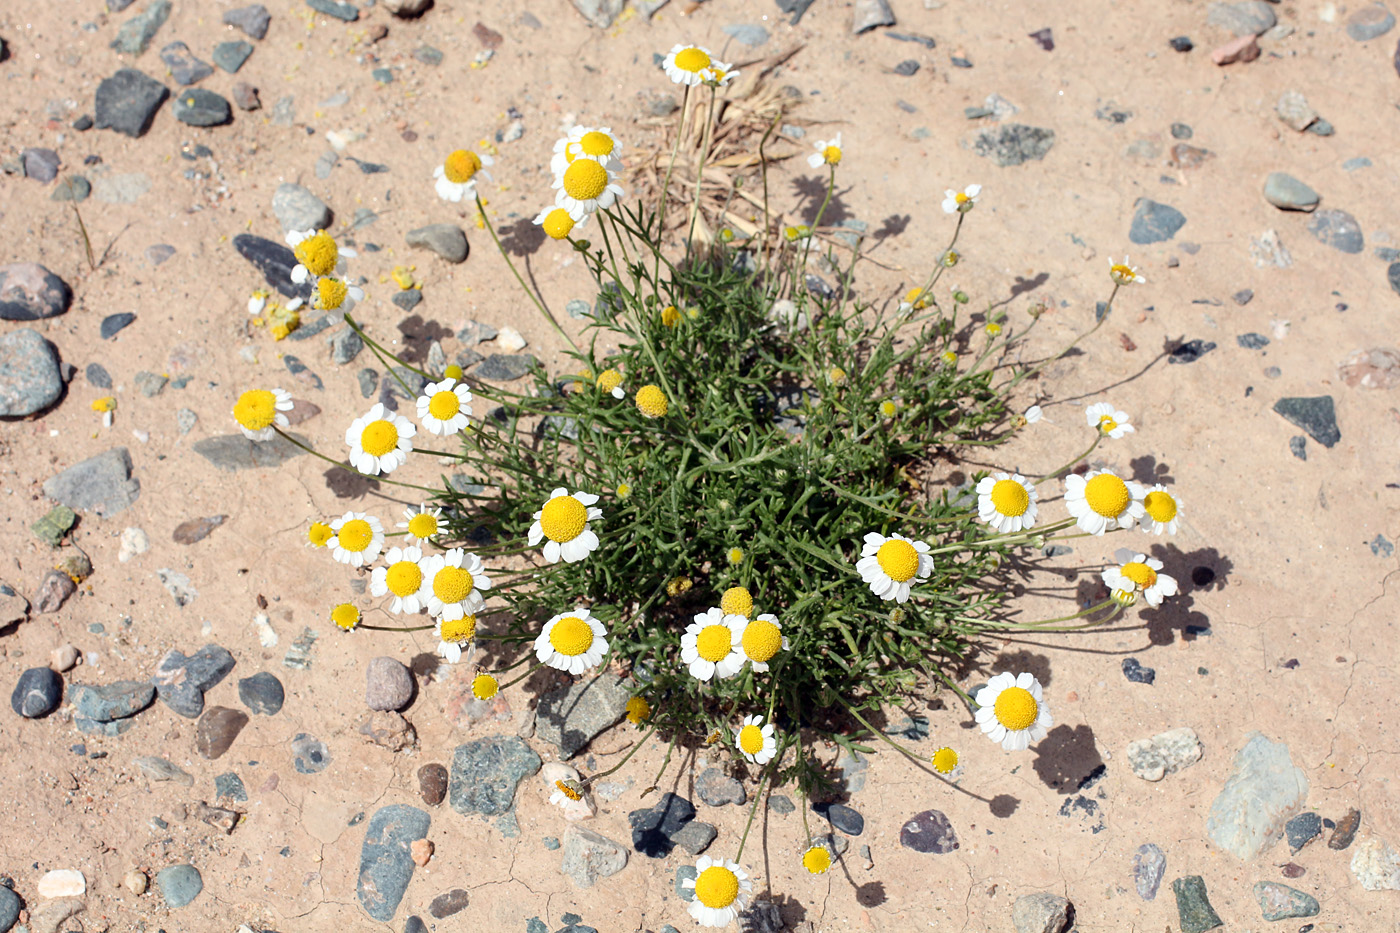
1293	870
63	658
432	784
1184	156
409	136
487	36
302	410
269	785
246	96
1345	830
1127	342
196	529
1243	49
378	32
54	591
422	851
217	729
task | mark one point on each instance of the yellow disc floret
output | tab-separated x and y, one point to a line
558	224
692	59
106	403
255	409
571	636
1016	708
651	401
484	686
403	578
453	371
898	559
762	639
595	143
717	887
1141	574
563	518
670	316
379	437
737	601
451	585
609	379
461	166
346	615
816	860
460	631
1010	498
945	760
832	155
713	643
638	710
1160	505
569	789
423	526
331	293
585	180
319	533
355	535
444	405
751	739
1107	495
318	253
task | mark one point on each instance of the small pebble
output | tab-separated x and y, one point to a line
1136	673
136	881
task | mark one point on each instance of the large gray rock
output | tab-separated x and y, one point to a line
589	857
101	484
29	292
571	716
1041	913
1288	193
232	452
486	772
296	208
386	862
447	240
1338	229
1265	790
253	20
30	380
109	702
868	14
127	102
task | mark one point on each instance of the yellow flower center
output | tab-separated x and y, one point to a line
379	437
403	578
558	224
318	253
651	401
692	59
888	409
837	375
451	585
444	405
563	518
816	860
832	155
355	535
484	686
319	533
595	143
713	643
609	379
585	180
717	887
961	198
670	316
1107	495
737	601
735	556
898	559
453	371
1010	498
568	790
461	166
762	639
1016	708
255	409
346	615
571	636
460	631
332	293
424	525
1141	574
751	739
1121	272
949	357
106	403
945	760
638	710
1160	505
1107	424
993	329
623	490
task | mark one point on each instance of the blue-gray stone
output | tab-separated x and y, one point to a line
1182	131
179	884
844	818
853	768
1337	229
230	785
505	367
447	240
310	329
97	376
136	33
550	842
230	56
1154	222
907	68
102	484
1288	193
30	292
180	681
929	832
1014	144
253	20
1320	127
1357	162
695	837
382	75
1252	341
1149	865
486	772
717	788
683	874
345	12
407	298
571	716
108	702
199	106
1392	274
750	34
369	382
1193	907
1316	415
1280	902
1302	829
275	261
114	324
127	102
184	67
10	906
309	754
781	804
297	208
297	368
428	55
1265	790
38	693
1381	546
535	925
1190	351
578	309
73	188
232	452
1135	672
1298	446
345	346
109	729
386	863
1181	43
1369	22
652	829
415	924
30	379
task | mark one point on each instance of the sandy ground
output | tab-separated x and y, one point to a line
1301	609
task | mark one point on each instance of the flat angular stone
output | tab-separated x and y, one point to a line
127	102
216	730
929	832
199	106
232	452
184	67
654	829
230	56
1317	415
296	208
1041	913
110	702
505	367
162	769
869	14
275	261
1376	865
1193	907
1263	792
1337	229
447	240
1154	223
1247	18
72	188
1149	865
253	20
1015	144
1293	109
1302	829
345	12
1166	753
1280	902
486	772
136	34
589	857
101	484
30	292
571	716
386	859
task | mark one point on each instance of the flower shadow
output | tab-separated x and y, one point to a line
1066	759
523	238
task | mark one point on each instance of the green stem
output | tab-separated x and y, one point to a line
395	628
758	798
1070	465
632	751
351	470
816	222
481	209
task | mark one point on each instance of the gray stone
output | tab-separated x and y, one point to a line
590	857
1376	865
1252	341
123	188
369	382
683	874
179	884
1280	902
1392	274
245	96
98	376
136	33
185	420
505	367
388	684
1302	829
309	754
184	67
150	384
571	716
199	106
842	817
73	188
474	332
162	769
929	832
1149	865
216	730
1014	144
110	729
345	346
230	786
10	906
1288	193
1248	18
1181	131
109	702
158	253
180	681
1337	229
1262	793
284	112
578	309
654	830
30	380
1165	753
253	20
717	788
1370	22
262	693
275	261
1154	223
1136	673
486	772
695	837
345	12
1193	907
600	13
30	292
781	804
386	859
750	34
230	56
869	14
232	452
428	55
177	585
1317	415
37	693
40	164
407	299
1041	913
296	208
907	68
445	905
447	240
114	324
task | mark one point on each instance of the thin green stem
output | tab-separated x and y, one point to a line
757	799
553	322
351	470
1099	436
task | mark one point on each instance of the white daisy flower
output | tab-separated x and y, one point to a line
357	540
587	142
713	645
960	202
586	186
1160	508
568	793
719	74
424	524
453	584
1124	274
687	64
456	634
721	889
458	174
755	740
258	411
443	406
1011	710
1100	501
379	440
1138	573
1107	419
564	522
403	577
574	642
336	296
828	152
891	565
317	255
761	639
557	222
947	763
1006	502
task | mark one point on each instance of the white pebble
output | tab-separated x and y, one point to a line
134	542
266	636
63	882
509	339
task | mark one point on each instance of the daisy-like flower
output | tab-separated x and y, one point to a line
317	255
379	441
557	222
891	565
736	601
485	687
950	357
638	710
1011	710
1160	508
454	635
424	524
358	539
719	74
817	860
945	762
1124	274
624	490
1108	419
889	408
828	152
960	202
1138	573
713	645
651	401
587	142
453	584
735	556
795	233
258	410
610	381
258	301
1006	502
836	375
458	173
687	64
721	891
566	792
346	616
762	639
443	407
1032	415
336	296
572	641
670	316
403	577
1100	501
755	740
586	186
564	523
318	534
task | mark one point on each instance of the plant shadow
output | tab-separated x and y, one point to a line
1066	759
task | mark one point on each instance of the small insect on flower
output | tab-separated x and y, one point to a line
1161	509
960	202
453	584
557	222
1012	711
358	539
712	645
566	791
828	152
1124	274
1006	502
424	524
586	186
755	740
403	577
379	440
258	411
1138	573
891	565
573	642
454	635
346	616
563	521
678	586
945	761
687	64
1108	420
651	401
485	687
817	860
458	174
443	407
1100	501
638	711
721	891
